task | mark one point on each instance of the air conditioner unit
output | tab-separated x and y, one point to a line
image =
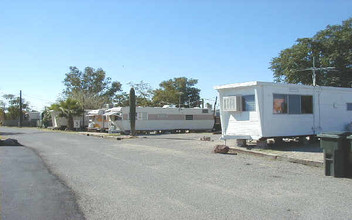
232	103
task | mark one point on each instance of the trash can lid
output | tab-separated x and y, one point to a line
335	134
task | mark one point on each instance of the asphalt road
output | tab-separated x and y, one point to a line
30	191
177	177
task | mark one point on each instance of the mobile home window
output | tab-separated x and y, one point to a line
248	103
161	116
189	117
280	104
205	111
307	104
292	104
349	106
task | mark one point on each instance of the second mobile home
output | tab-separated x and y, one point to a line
256	110
163	119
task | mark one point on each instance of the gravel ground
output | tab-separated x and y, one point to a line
177	177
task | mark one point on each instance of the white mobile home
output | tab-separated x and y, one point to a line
61	122
97	121
163	119
259	110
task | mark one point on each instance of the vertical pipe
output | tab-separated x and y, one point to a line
21	108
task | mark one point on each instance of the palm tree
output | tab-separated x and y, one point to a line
67	109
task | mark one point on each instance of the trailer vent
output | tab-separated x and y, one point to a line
232	103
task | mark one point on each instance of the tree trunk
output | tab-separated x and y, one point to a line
70	122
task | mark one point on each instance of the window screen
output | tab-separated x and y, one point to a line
294	104
307	104
349	106
248	103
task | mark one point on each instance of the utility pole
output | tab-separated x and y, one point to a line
179	100
83	114
21	108
314	76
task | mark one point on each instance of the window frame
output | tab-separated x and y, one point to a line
287	102
189	117
244	104
348	106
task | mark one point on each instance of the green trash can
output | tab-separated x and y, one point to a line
335	146
349	157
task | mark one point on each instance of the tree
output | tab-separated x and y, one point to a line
2	110
177	90
91	88
121	99
67	109
144	93
12	109
46	117
331	47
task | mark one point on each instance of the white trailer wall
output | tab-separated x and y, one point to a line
241	124
286	124
333	109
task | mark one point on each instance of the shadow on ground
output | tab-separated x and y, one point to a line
10	133
297	147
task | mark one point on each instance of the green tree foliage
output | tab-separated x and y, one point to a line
331	47
172	90
143	92
67	109
91	88
46	117
2	110
121	99
12	109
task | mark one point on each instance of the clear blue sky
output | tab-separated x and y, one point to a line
216	42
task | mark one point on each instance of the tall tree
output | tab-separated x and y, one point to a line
121	99
144	93
91	88
331	47
12	109
2	110
177	90
67	109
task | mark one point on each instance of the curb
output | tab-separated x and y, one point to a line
105	136
278	157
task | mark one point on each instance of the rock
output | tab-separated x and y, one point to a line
205	138
9	142
221	149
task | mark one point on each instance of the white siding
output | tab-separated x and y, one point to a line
286	124
243	124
